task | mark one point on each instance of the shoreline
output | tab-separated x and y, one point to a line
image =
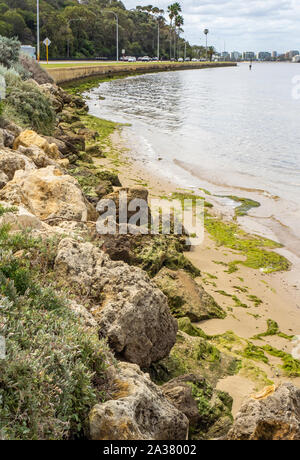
278	298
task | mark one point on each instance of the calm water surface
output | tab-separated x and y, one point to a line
232	129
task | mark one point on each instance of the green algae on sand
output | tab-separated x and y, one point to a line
254	248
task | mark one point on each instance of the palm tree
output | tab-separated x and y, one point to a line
206	31
171	13
211	51
179	21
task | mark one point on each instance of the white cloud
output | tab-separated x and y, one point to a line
254	25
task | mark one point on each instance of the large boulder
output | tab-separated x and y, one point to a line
28	138
138	411
131	312
11	161
273	414
186	297
49	194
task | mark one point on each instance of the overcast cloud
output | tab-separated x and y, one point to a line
243	25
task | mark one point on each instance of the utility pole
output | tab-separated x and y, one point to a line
38	29
184	50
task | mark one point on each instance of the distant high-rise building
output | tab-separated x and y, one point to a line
225	56
292	53
235	56
248	55
274	54
264	56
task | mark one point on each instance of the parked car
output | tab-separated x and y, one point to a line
145	59
155	59
187	59
194	60
180	60
131	59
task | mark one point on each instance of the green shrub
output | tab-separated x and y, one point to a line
9	51
50	378
32	67
29	107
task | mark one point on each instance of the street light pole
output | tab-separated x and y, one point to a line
206	33
38	29
184	50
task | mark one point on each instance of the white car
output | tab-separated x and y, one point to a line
187	59
180	60
131	59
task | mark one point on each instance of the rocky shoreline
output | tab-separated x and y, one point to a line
139	300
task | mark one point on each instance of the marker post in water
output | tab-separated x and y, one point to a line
47	43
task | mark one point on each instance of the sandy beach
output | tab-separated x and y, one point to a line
263	296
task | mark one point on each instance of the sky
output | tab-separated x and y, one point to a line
239	25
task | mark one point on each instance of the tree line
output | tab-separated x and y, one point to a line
87	28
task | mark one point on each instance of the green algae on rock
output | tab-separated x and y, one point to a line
195	355
185	325
186	297
208	409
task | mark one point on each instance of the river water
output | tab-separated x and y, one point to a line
230	130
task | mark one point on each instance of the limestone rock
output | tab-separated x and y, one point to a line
48	194
103	188
139	411
186	297
28	138
19	219
272	415
179	393
11	161
3	179
11	127
83	313
37	155
62	147
132	313
6	138
208	410
95	150
150	252
73	142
